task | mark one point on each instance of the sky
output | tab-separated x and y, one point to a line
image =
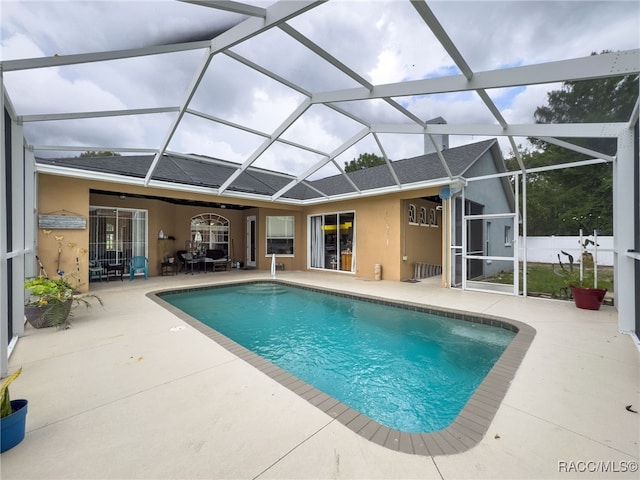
383	41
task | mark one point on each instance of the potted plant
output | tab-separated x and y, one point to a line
583	296
13	415
50	301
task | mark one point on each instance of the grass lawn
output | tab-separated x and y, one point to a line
541	280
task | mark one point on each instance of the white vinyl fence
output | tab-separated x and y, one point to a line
546	249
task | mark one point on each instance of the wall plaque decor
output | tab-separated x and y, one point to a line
62	222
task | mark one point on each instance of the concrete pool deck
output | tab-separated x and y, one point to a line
132	391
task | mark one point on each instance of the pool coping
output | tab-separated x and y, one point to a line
464	432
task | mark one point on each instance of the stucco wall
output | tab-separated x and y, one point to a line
382	235
377	233
295	262
59	195
423	242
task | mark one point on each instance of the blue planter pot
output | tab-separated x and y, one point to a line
12	426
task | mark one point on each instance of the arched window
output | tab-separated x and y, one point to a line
433	218
423	216
210	231
412	213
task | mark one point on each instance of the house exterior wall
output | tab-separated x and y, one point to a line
423	243
58	194
64	195
299	258
378	233
382	232
383	235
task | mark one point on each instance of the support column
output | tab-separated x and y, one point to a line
623	232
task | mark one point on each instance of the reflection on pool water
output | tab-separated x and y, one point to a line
408	370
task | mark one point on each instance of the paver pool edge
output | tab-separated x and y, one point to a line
463	433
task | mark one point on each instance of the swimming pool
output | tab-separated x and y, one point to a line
404	369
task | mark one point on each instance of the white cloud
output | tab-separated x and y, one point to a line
383	41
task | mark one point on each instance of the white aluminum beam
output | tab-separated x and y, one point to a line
267	143
440	156
267	73
634	115
213	118
317	166
313	169
63	60
387	161
345	69
444	39
326	56
226	163
317	190
585	68
8	105
577	148
222	121
517	154
277	14
202	69
565	130
85	148
47	117
557	166
441	35
230	6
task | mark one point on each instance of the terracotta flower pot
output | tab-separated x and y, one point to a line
588	298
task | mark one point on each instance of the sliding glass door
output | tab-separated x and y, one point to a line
116	235
332	241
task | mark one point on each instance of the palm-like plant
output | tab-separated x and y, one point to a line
5	400
54	298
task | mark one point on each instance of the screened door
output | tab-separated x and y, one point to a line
116	235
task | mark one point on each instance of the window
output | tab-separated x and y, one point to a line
280	235
412	213
507	235
209	231
423	216
433	218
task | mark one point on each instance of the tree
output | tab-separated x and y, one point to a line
364	160
92	153
559	202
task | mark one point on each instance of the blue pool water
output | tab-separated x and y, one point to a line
407	370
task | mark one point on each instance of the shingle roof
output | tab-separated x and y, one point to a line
204	173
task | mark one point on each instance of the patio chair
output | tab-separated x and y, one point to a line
137	264
188	261
95	270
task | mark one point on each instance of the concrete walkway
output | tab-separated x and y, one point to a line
131	391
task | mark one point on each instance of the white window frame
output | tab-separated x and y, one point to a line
288	232
424	221
507	236
210	231
412	214
433	218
